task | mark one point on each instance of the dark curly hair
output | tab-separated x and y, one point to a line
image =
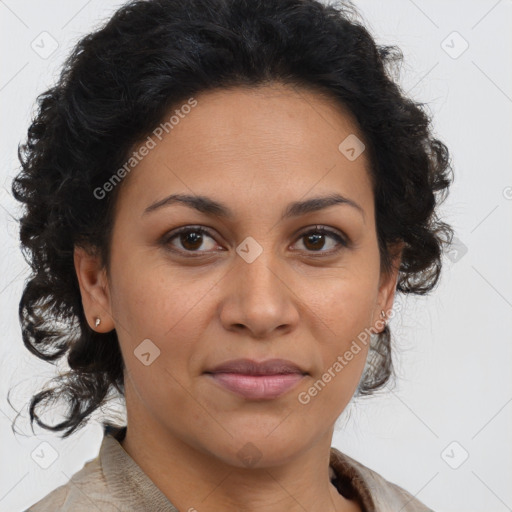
118	84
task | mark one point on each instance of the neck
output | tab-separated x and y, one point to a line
199	481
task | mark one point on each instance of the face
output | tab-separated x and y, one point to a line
251	277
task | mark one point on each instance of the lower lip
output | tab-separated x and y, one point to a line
257	387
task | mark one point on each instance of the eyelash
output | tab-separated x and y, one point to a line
203	231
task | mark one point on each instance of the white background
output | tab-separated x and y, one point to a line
453	349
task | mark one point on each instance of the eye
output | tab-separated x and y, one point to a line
190	238
314	240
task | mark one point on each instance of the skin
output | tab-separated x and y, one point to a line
255	150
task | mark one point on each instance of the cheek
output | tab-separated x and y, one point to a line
350	312
344	302
172	310
157	303
344	311
153	299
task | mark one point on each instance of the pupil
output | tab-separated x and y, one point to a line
316	239
192	238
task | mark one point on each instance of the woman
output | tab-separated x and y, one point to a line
221	199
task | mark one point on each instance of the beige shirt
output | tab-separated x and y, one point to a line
113	482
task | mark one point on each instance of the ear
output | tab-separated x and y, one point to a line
387	287
94	289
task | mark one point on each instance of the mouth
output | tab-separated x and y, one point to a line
253	380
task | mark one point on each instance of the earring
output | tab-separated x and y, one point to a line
383	316
97	321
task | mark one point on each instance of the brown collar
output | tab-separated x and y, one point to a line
349	481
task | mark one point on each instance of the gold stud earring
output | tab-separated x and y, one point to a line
97	321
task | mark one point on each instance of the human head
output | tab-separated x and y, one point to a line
122	81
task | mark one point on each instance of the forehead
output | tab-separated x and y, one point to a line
265	117
264	142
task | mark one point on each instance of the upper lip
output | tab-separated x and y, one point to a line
251	367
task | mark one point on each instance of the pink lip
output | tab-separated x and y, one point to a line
257	381
257	387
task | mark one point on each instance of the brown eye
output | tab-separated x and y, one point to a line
316	239
190	239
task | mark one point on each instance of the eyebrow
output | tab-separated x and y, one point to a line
209	206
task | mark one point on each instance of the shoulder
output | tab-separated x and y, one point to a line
385	495
85	490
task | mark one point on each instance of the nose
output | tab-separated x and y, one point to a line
259	298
